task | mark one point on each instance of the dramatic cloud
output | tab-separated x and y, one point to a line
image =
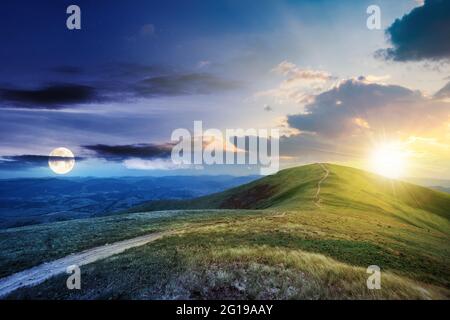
183	84
115	82
123	152
423	33
346	123
356	106
50	97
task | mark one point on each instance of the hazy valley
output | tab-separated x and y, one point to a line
40	200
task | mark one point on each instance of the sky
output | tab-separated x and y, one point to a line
114	91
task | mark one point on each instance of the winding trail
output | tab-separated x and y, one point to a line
45	271
317	196
40	273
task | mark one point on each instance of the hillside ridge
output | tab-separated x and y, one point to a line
299	188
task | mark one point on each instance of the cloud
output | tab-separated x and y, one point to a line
155	164
124	82
203	64
356	107
444	92
345	124
374	79
18	162
299	84
294	73
423	33
183	84
22	162
136	156
49	97
306	148
123	152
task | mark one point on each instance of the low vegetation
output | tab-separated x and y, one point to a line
291	247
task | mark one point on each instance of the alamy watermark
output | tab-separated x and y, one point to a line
74	280
374	20
73	21
374	281
233	146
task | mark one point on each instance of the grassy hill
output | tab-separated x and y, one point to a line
344	187
278	238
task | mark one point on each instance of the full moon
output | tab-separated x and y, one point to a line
61	160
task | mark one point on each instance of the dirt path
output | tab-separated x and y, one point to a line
280	215
317	196
40	273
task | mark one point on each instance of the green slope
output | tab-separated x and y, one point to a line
345	187
297	243
294	186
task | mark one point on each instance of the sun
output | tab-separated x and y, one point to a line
389	160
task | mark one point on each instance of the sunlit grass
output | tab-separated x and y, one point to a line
290	249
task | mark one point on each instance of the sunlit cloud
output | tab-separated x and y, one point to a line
357	117
299	85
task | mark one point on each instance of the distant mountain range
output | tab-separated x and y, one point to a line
436	184
443	189
38	200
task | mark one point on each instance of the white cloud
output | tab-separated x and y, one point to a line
155	164
295	73
203	64
299	85
375	79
